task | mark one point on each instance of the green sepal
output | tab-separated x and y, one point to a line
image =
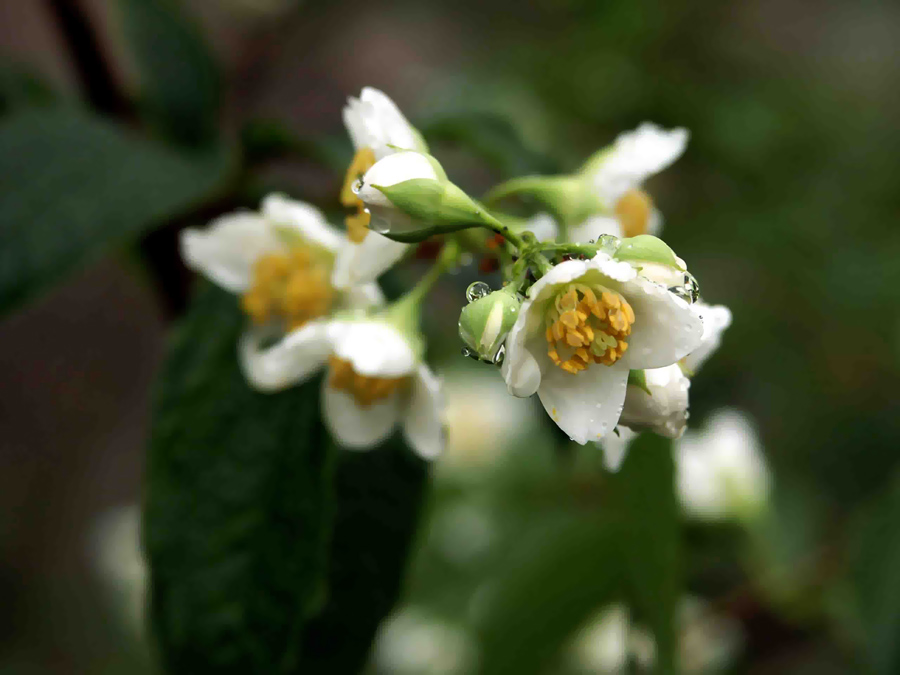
638	378
570	198
646	247
440	206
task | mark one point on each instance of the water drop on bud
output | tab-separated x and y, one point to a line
689	290
608	243
498	357
477	290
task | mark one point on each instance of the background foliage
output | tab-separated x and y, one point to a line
123	121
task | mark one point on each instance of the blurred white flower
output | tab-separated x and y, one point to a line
415	642
115	551
584	325
483	420
722	472
708	641
378	129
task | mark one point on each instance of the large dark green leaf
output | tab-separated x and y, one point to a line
20	88
238	487
71	185
180	87
649	541
379	501
875	566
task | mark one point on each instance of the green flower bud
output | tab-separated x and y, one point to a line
485	322
571	199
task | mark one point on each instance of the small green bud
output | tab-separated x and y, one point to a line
571	198
647	248
485	322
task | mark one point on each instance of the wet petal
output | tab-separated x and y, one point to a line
304	219
354	426
716	318
374	348
585	406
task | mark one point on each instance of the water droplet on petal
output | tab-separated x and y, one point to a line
357	186
498	357
688	290
608	243
477	290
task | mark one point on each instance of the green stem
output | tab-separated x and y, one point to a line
513	186
571	249
448	257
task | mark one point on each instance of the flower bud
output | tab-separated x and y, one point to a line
653	258
571	199
485	322
410	199
658	403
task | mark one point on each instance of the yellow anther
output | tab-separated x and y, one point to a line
634	209
365	390
587	325
293	287
357	223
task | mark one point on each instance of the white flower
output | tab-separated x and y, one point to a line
601	646
665	409
722	472
376	381
716	318
415	642
378	129
617	174
584	325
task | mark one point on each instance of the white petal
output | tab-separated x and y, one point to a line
666	328
593	227
586	405
634	157
291	360
615	446
302	218
365	296
374	121
393	169
226	251
374	348
424	423
716	318
543	227
354	426
364	262
664	410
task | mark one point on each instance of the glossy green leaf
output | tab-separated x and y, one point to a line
71	185
644	497
238	490
179	84
379	500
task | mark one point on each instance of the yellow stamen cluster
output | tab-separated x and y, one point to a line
357	223
366	390
585	325
634	210
294	287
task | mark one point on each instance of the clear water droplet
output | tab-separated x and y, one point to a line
499	356
477	290
608	243
357	186
688	290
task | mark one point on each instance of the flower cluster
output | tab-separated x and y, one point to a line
596	314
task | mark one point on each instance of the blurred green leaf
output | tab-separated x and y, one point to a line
71	185
180	86
551	588
650	542
875	569
379	498
495	139
21	89
235	525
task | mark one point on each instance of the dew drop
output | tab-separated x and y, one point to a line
688	290
357	186
477	290
499	356
608	243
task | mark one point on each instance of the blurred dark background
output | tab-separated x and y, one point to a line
785	206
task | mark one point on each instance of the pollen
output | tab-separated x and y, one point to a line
365	390
634	210
291	287
585	325
357	223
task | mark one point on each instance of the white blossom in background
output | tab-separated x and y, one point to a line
708	641
721	469
583	326
483	420
280	262
415	642
115	552
378	129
